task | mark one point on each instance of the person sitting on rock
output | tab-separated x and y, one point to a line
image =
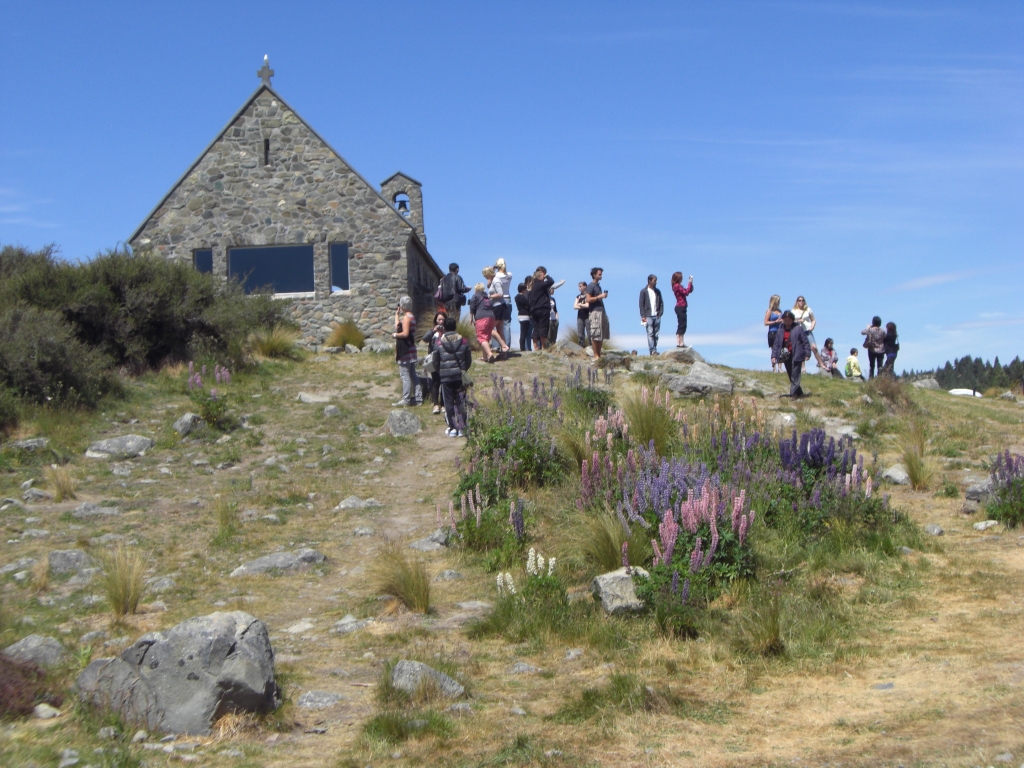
853	366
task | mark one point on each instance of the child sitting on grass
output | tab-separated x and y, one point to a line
853	366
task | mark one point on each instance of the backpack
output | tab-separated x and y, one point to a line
445	292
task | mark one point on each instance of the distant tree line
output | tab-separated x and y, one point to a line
975	373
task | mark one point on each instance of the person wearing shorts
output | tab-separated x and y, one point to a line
482	315
595	300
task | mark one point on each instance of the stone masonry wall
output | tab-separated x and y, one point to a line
305	194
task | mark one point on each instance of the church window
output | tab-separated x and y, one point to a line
339	267
286	269
202	259
266	151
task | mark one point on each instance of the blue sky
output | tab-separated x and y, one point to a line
867	155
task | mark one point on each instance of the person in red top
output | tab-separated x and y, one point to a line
681	293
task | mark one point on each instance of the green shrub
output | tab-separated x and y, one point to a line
346	333
9	412
489	530
623	694
1006	503
42	361
139	309
394	727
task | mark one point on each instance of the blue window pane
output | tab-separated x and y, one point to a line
339	267
285	268
202	259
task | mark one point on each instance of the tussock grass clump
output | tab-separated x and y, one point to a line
466	330
346	333
395	573
276	342
61	481
650	420
893	391
913	456
226	515
601	545
394	727
624	694
761	623
124	580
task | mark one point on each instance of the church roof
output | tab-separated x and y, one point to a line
265	87
403	175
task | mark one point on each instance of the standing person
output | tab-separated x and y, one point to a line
453	292
432	339
504	279
553	323
523	308
405	353
805	316
497	296
891	347
452	358
540	306
875	345
853	366
773	319
792	349
582	314
651	310
830	360
595	300
482	315
681	304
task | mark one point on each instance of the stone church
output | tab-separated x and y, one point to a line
271	204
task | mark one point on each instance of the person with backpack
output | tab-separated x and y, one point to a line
432	339
792	349
540	306
482	315
891	347
451	293
452	359
875	345
523	308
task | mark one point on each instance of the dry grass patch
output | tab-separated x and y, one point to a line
60	480
124	580
394	572
276	342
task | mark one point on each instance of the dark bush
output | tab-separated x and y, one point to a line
42	361
21	687
8	411
140	309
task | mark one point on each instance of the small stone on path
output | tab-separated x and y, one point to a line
349	624
933	530
403	423
984	525
318	699
408	676
897	474
89	509
313	398
448	575
331	411
45	712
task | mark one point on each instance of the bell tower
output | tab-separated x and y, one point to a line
405	195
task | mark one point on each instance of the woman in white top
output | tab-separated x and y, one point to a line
496	295
805	316
503	280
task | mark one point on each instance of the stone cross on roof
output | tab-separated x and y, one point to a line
266	72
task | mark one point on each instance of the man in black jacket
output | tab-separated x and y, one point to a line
651	310
540	307
452	357
791	349
453	292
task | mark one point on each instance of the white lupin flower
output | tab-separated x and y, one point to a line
540	565
501	584
509	584
551	566
531	562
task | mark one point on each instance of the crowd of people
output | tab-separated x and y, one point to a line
792	343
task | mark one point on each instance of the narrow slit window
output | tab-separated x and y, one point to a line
266	151
202	259
339	267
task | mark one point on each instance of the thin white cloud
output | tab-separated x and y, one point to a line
737	337
976	324
929	281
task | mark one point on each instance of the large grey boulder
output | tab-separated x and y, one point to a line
30	446
36	494
435	541
40	650
187	423
408	676
280	561
62	561
403	423
702	380
378	346
354	502
927	384
979	491
684	355
89	509
896	474
615	590
124	447
569	348
182	680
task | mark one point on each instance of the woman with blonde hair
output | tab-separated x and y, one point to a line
773	319
482	316
804	315
496	294
504	278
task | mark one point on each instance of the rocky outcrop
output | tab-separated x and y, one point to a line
701	381
124	447
615	590
280	561
182	680
40	650
409	676
403	423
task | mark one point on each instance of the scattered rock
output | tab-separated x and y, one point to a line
979	491
63	561
435	541
448	575
615	590
378	346
460	708
139	737
933	530
927	384
1013	398
687	355
906	551
474	605
125	447
702	380
884	686
897	475
45	712
518	711
574	653
1005	757
181	680
30	446
984	525
363	531
318	699
522	668
108	732
403	423
88	509
279	561
352	349
866	399
569	348
313	398
784	421
40	650
92	637
331	411
36	494
301	626
17	565
68	758
354	502
409	675
159	584
349	624
187	423
35	533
